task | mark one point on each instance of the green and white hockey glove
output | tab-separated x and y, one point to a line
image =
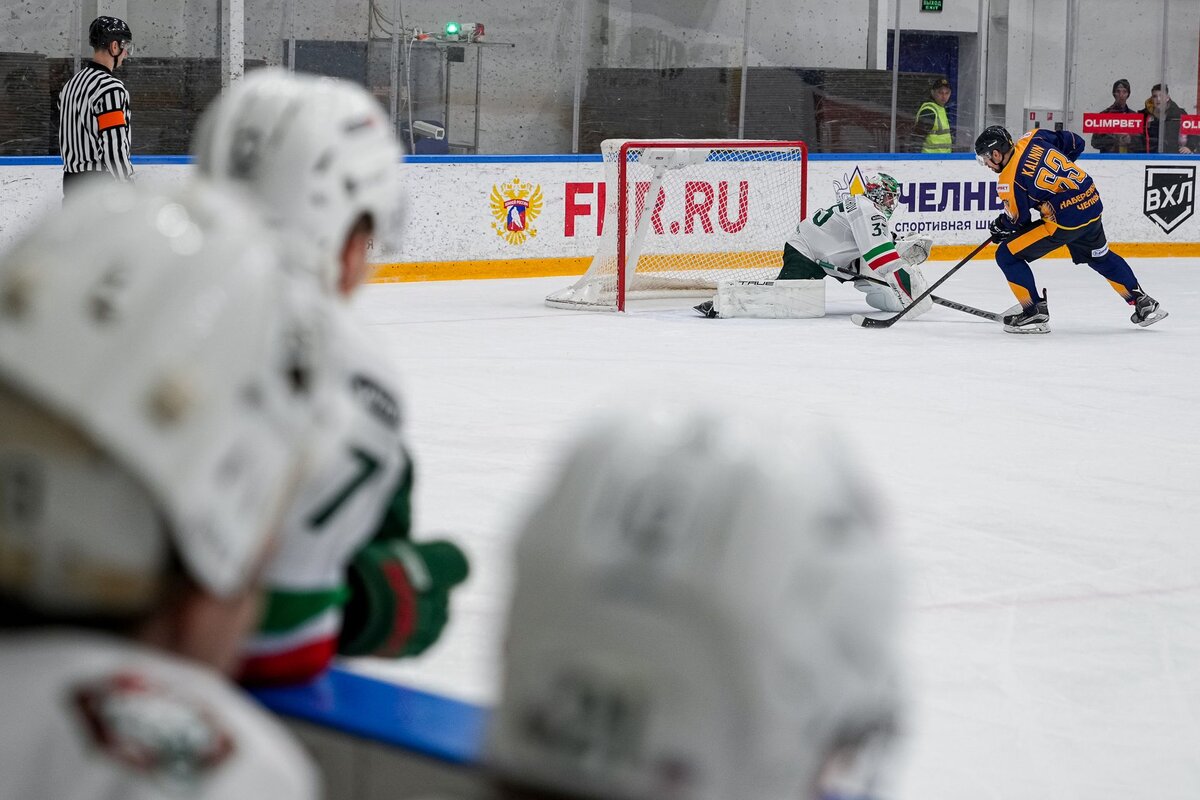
399	597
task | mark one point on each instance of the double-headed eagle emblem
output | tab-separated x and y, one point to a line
515	205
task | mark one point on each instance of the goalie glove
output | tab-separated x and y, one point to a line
914	248
399	597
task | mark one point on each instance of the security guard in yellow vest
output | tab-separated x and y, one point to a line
932	132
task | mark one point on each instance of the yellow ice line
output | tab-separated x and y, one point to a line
481	270
576	265
953	252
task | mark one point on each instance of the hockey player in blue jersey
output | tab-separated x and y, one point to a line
1037	172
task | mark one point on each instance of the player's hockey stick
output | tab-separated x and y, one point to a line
941	301
887	322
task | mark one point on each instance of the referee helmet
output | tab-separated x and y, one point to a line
108	29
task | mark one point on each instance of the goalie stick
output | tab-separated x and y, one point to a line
941	301
887	322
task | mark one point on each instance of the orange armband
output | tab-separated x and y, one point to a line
110	119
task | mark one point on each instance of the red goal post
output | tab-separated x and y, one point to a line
682	214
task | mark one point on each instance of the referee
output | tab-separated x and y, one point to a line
93	111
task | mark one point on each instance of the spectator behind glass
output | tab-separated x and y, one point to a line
1160	106
931	131
1117	142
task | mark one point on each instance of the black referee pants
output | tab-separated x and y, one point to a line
74	181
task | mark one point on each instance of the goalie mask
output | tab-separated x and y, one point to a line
883	190
159	330
318	153
701	612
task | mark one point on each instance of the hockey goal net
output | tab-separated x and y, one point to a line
682	214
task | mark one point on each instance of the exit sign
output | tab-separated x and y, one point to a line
931	5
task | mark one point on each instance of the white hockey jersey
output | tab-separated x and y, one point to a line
338	510
852	229
90	716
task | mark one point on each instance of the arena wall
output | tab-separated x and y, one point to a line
527	91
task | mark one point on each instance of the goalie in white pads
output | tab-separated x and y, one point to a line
848	241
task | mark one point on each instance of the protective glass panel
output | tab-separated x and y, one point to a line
483	77
269	26
816	73
38	58
1109	95
328	40
173	73
661	70
938	91
506	80
804	80
1177	111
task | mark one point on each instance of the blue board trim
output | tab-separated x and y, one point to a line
548	158
55	161
424	723
552	158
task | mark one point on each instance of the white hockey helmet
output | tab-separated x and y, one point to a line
161	326
701	612
318	153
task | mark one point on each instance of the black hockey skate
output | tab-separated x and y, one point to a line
1146	310
1029	320
706	309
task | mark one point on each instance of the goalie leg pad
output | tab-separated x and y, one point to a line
902	286
803	299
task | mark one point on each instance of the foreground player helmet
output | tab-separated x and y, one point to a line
883	190
995	137
317	152
159	327
702	612
108	29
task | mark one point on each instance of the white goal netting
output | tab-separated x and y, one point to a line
681	215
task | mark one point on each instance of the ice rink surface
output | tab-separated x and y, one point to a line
1044	490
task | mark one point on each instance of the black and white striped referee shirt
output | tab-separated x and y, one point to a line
93	123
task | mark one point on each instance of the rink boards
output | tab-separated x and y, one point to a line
373	739
472	217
